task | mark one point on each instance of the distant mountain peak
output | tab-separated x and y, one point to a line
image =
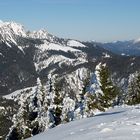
41	34
9	32
137	41
12	27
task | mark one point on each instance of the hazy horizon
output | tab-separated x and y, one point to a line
85	20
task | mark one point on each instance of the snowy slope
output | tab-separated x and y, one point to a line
120	123
53	46
16	93
42	59
75	43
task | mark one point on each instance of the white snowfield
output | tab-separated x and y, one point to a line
57	47
120	123
17	92
74	43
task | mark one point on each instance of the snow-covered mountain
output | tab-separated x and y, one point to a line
131	47
30	53
136	41
8	28
9	32
119	123
26	56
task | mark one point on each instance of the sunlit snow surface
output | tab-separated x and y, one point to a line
120	123
75	43
52	46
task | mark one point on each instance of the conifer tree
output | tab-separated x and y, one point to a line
83	96
133	96
27	120
93	96
110	91
14	135
89	105
57	103
68	109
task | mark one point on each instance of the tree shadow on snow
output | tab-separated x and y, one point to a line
110	113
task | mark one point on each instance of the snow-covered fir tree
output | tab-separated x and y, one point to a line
93	95
102	92
28	120
68	109
57	102
133	95
110	91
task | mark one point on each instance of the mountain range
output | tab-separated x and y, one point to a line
30	56
26	55
129	48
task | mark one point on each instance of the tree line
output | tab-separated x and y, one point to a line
49	105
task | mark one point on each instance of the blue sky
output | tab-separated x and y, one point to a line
101	20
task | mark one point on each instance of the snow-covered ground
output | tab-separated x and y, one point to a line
120	123
17	92
74	43
56	47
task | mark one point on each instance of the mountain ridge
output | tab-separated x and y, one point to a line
36	54
32	64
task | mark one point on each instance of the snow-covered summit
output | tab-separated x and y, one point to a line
13	28
41	34
10	30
